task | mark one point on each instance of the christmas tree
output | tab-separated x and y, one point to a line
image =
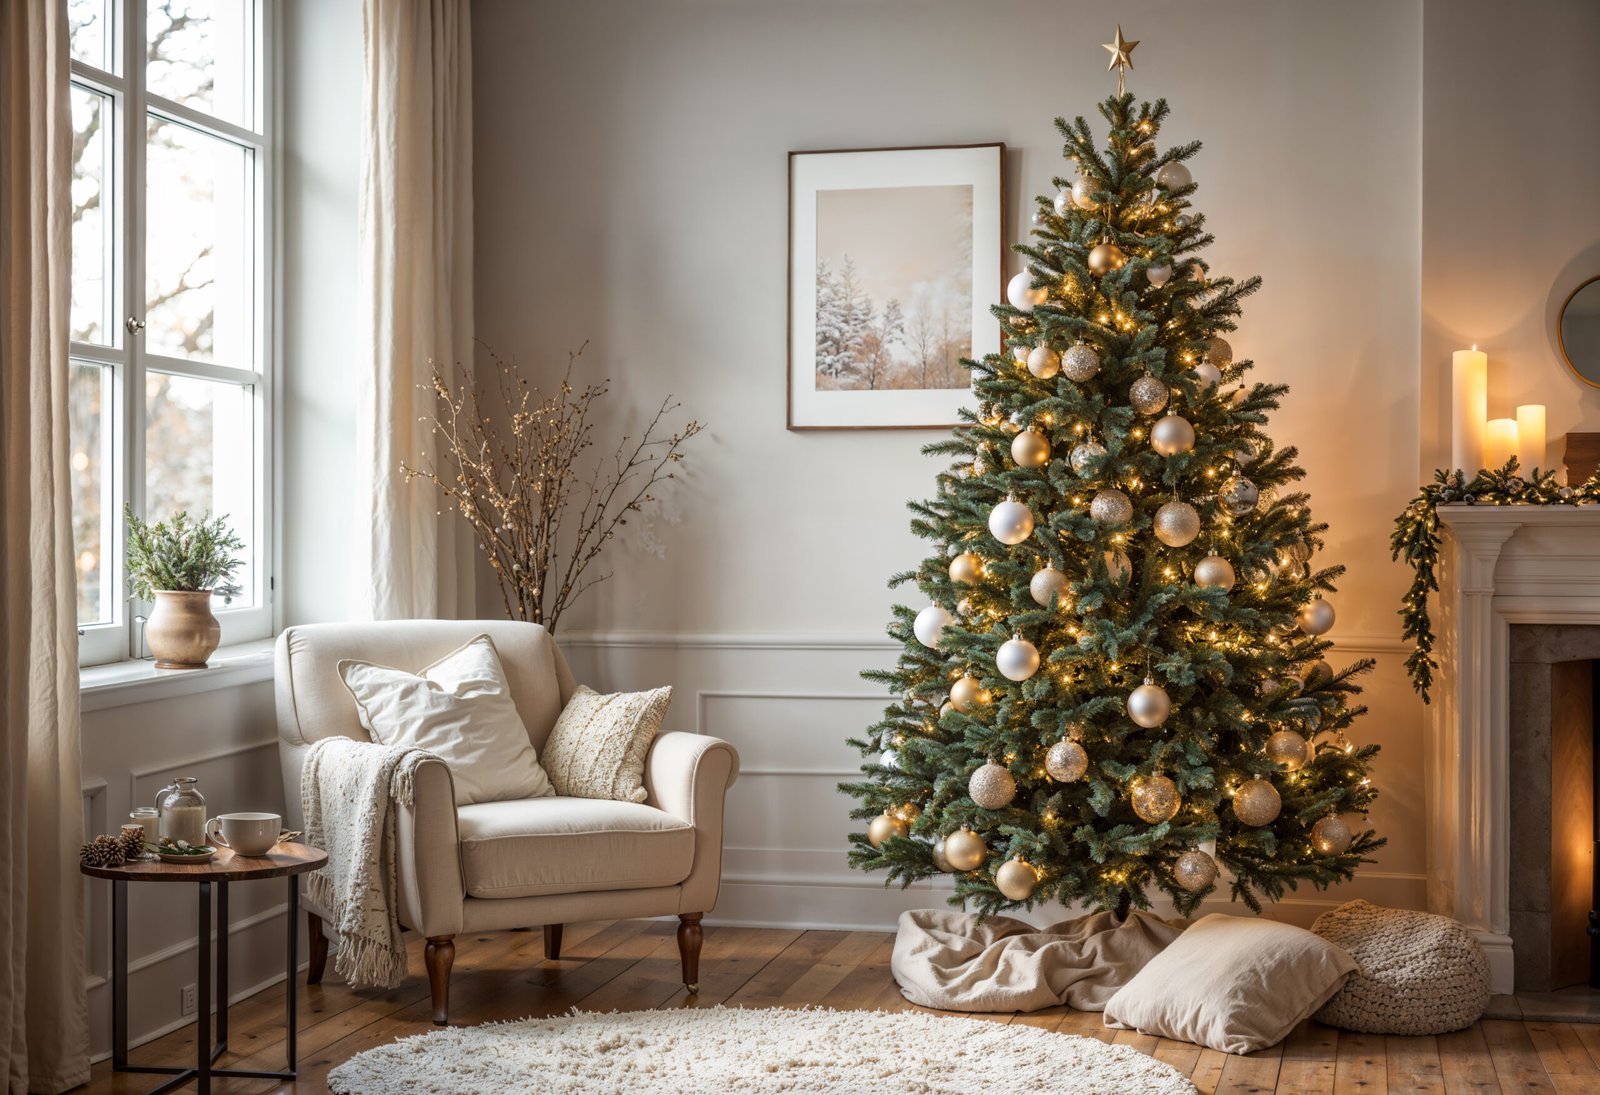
1117	681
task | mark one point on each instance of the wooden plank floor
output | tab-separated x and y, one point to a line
630	965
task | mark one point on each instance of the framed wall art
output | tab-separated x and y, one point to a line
895	256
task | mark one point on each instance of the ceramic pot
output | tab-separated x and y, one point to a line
181	631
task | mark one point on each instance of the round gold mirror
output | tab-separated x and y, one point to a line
1578	329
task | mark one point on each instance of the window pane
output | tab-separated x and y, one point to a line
92	248
200	456
89	410
198	245
200	54
92	42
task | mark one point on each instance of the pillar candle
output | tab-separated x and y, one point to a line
1500	442
1469	408
1530	438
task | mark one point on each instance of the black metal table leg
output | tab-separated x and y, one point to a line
119	974
292	973
222	969
202	1021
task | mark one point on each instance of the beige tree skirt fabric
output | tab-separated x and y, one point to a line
955	962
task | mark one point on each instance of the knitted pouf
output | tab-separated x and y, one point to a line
1420	973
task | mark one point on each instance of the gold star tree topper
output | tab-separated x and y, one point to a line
1120	51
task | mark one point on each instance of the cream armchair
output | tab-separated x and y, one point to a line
495	866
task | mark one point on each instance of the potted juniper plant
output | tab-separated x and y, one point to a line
180	565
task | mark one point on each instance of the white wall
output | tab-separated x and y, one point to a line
631	162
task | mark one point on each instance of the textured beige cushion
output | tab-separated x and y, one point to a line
1233	983
460	709
599	743
1420	973
536	846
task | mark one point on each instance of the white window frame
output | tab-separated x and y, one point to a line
122	637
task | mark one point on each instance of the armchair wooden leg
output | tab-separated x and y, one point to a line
439	955
552	941
318	945
690	936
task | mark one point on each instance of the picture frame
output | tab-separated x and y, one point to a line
895	256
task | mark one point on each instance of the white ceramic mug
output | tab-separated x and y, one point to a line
246	834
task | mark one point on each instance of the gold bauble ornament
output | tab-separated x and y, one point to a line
1081	362
1149	705
1066	762
964	850
1083	190
1257	802
1111	508
908	812
1316	618
1331	836
1030	449
1106	258
966	568
936	852
1155	798
1043	362
1317	674
1214	572
884	826
1118	567
1288	750
1177	524
967	694
1046	584
992	787
1219	353
1148	395
1172	435
1084	454
1195	870
1016	879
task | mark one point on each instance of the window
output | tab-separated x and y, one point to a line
170	385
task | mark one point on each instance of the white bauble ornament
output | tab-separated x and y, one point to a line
1017	659
964	850
1172	435
1148	395
1081	362
1083	188
1159	274
1155	798
966	568
1257	802
1219	352
1118	567
1173	176
1177	524
1030	449
1149	705
1062	202
1106	258
1011	522
1066	762
1048	583
1214	572
1022	294
1316	618
1239	496
1208	375
1331	835
1020	353
930	624
1195	870
936	853
1111	508
1240	394
1288	750
1084	454
966	694
1016	879
992	787
884	826
1043	362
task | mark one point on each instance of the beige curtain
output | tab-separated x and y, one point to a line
415	296
44	1044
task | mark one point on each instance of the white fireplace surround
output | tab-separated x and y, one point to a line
1500	565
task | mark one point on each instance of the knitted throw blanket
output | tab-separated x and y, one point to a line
348	790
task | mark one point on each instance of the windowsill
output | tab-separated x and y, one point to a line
120	683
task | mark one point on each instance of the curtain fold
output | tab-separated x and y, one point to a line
415	297
44	1044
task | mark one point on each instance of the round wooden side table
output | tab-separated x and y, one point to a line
283	861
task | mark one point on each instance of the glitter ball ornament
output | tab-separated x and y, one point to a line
964	850
992	787
1172	435
1081	362
1106	258
967	694
1118	567
1177	524
1257	802
930	624
1214	572
1208	375
1017	659
884	826
1316	618
1030	449
1016	879
936	853
1011	522
1155	798
1066	762
1148	395
1173	176
1219	352
1149	705
1111	509
1239	496
907	812
1084	457
1083	188
1288	750
1195	870
1062	202
1043	362
1158	274
1022	293
1331	835
1047	583
966	568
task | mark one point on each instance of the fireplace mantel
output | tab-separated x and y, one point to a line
1499	565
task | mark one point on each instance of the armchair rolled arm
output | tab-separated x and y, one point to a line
428	854
687	776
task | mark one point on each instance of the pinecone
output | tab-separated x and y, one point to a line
103	851
132	841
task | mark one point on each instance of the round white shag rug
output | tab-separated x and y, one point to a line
753	1050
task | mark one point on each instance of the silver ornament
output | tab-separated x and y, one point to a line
1172	435
1017	659
964	850
1062	202
1177	524
1239	496
1149	705
991	787
1159	274
966	568
1022	294
1111	508
1066	762
1214	572
1183	220
1288	750
1148	395
1039	219
1084	455
1257	802
966	694
1030	449
1080	362
1118	567
1331	835
1048	583
930	624
936	853
1173	176
1016	879
1011	522
1219	352
1316	618
1043	362
885	826
1155	798
1195	870
1083	188
1208	375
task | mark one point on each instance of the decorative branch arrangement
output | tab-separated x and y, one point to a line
516	478
182	556
1416	540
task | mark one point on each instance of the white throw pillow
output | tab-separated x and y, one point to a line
1233	983
599	744
460	709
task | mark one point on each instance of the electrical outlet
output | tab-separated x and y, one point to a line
187	1001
